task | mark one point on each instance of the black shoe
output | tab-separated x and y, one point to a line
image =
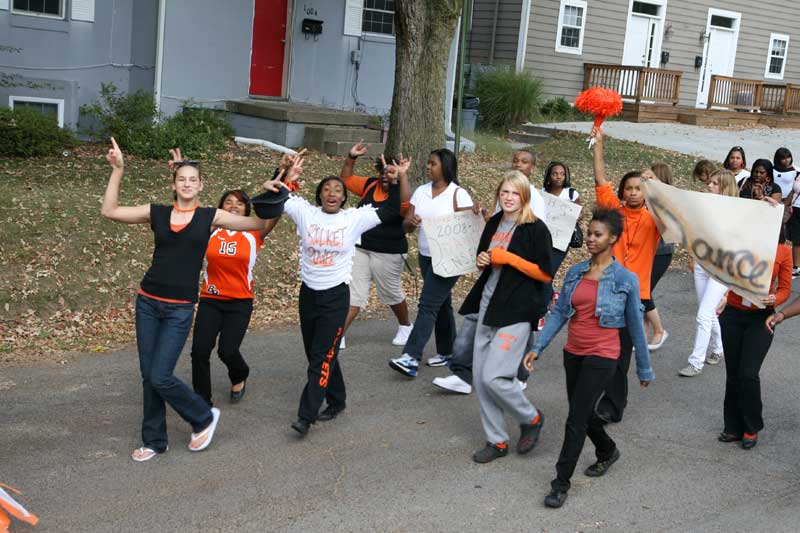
301	425
236	396
330	413
489	453
601	467
555	499
749	441
728	437
529	435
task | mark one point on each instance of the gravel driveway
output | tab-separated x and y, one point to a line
710	143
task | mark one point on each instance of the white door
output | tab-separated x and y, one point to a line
641	43
719	54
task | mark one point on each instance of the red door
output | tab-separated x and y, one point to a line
269	44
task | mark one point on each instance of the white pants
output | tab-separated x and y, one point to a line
709	293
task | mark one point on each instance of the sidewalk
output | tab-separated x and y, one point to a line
715	143
399	457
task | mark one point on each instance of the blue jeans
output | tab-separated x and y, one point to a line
161	332
435	310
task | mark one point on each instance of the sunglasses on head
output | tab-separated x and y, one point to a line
185	162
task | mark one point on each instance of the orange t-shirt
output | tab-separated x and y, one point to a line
636	247
359	185
781	285
230	257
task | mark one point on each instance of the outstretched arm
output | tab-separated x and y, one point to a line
111	209
598	163
356	151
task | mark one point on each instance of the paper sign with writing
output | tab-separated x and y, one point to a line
561	218
733	239
453	241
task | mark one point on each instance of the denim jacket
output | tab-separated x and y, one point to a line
618	306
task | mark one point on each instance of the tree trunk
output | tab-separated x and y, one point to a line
424	32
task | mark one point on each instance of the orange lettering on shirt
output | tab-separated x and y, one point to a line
507	340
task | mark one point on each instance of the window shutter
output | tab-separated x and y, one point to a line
83	10
353	11
3	4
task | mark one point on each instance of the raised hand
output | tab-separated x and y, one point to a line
403	165
175	155
114	156
358	149
294	172
288	160
273	185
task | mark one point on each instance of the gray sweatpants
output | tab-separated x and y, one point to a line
498	353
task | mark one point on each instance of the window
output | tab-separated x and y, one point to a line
378	17
571	23
776	56
42	8
723	22
51	107
644	8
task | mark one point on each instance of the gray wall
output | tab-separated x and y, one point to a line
479	39
604	41
70	59
321	71
206	52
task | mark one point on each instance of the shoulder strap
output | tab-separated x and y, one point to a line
455	198
572	194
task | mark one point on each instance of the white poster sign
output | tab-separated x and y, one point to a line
733	239
453	240
561	218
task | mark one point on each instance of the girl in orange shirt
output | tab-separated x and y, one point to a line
635	250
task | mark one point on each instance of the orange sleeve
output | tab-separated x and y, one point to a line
404	208
783	261
606	197
501	256
356	184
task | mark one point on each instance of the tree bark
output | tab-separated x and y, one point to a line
424	30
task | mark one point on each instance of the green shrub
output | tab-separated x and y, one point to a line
27	133
133	120
507	98
558	109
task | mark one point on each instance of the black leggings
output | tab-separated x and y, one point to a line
228	319
660	265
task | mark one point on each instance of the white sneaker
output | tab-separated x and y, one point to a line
402	334
453	383
690	371
405	364
342	344
439	360
522	384
714	358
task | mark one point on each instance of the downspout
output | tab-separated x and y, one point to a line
494	30
522	41
162	11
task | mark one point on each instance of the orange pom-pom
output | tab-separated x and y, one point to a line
602	103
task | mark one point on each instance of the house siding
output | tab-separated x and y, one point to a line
479	39
68	60
604	41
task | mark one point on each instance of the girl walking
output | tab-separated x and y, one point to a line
599	301
736	162
509	297
710	294
442	195
166	298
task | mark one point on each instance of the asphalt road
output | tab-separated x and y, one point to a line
399	458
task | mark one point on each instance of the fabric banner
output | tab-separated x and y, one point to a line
561	218
733	239
454	240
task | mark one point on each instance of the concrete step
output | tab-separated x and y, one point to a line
317	136
299	113
341	148
531	139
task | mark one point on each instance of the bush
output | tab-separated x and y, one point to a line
132	119
558	109
27	133
507	98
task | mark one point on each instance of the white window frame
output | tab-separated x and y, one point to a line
35	99
63	5
567	49
772	38
372	33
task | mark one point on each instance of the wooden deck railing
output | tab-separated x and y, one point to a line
753	95
635	83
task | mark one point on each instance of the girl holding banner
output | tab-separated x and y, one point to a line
635	250
440	196
509	297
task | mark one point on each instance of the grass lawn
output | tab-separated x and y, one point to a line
68	277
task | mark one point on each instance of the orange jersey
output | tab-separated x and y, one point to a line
230	257
636	247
